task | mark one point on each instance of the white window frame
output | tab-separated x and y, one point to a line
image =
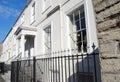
32	13
90	23
46	42
78	30
22	18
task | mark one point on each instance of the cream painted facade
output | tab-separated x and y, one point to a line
27	36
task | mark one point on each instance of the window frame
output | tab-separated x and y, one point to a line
90	24
47	51
77	33
22	18
32	13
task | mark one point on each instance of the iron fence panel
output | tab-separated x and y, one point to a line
70	68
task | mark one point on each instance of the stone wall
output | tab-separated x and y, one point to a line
108	25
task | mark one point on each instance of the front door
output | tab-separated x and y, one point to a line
29	46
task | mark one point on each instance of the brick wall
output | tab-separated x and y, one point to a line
108	25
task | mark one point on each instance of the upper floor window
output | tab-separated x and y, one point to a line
47	39
33	13
78	30
22	18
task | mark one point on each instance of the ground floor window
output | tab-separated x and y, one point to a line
78	30
47	39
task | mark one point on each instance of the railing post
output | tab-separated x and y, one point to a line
34	69
95	70
94	59
3	68
17	72
12	71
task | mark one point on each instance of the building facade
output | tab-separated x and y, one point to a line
1	47
47	26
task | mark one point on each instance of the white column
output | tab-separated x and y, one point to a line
23	45
91	25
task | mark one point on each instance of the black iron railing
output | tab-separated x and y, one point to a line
70	68
2	67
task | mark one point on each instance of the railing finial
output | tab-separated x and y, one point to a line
93	46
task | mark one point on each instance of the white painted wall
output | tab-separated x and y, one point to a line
59	22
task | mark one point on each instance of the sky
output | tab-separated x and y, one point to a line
9	12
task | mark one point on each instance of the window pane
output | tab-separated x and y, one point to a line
79	41
83	23
82	14
76	15
84	40
84	35
79	46
79	36
78	30
77	25
84	46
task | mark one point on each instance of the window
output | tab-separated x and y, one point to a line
22	18
33	13
47	39
78	30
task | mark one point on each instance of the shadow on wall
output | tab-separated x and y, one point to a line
87	68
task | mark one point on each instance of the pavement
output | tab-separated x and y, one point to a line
5	77
1	79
